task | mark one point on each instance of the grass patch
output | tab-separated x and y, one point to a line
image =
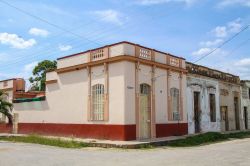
207	138
45	141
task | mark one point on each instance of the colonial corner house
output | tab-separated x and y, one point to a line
122	91
125	91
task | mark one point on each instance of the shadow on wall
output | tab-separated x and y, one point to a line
73	77
32	106
53	87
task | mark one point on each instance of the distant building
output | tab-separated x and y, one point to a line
245	91
203	104
213	100
11	87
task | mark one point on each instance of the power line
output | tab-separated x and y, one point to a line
17	59
47	22
79	45
225	42
239	46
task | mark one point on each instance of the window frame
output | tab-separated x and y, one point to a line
175	94
98	102
212	108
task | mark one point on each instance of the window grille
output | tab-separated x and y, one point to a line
145	54
176	116
174	62
175	94
98	102
97	54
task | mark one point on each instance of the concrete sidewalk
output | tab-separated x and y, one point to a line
109	143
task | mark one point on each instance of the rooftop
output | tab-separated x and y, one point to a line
212	73
122	42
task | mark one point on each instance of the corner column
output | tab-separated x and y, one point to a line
153	126
137	111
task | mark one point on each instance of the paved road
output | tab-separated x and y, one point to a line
233	153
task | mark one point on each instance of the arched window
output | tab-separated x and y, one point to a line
175	96
98	102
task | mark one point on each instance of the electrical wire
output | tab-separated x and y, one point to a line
221	45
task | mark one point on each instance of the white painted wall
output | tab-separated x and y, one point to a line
201	84
245	102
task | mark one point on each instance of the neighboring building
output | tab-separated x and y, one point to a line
206	88
202	100
230	102
122	91
11	87
245	102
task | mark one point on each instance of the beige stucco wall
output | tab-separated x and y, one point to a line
160	80
116	50
66	100
74	60
9	82
229	102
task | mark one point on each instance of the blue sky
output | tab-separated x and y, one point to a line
186	28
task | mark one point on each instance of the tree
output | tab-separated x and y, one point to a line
5	107
39	74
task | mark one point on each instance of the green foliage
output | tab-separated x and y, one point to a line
39	74
207	138
45	141
5	107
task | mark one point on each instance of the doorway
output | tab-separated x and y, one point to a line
236	113
224	117
145	111
246	117
197	112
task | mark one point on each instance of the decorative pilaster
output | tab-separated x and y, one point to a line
170	116
137	111
153	127
89	116
106	94
181	97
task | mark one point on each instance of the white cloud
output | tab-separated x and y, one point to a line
201	51
64	47
111	16
15	41
157	2
206	50
225	3
211	43
220	31
38	32
231	27
29	67
243	63
25	72
239	67
234	26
